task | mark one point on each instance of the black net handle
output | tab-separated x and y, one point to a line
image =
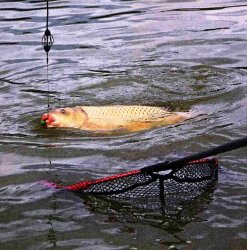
181	162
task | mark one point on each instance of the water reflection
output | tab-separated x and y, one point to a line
170	215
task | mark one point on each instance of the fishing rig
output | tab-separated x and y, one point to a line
47	42
47	39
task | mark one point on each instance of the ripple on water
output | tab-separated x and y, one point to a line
22	193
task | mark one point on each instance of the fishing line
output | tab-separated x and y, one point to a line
47	42
48	87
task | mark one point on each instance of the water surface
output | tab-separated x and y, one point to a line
176	54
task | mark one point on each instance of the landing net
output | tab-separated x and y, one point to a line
188	179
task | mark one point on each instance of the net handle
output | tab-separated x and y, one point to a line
180	162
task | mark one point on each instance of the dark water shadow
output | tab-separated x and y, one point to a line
170	213
209	8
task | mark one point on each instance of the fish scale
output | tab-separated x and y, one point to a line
125	112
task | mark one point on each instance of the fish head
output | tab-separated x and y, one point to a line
64	118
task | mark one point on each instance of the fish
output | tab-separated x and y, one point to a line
131	118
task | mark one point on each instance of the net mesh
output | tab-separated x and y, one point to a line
188	179
171	213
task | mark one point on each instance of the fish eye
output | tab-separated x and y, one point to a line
63	111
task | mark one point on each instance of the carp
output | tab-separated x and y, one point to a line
109	118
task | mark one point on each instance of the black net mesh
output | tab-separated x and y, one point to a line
187	179
123	184
170	213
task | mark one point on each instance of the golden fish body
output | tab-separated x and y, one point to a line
116	117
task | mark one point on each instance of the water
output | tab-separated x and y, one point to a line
177	54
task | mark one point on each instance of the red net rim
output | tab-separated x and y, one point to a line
84	185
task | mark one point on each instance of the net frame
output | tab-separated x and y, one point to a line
183	171
139	183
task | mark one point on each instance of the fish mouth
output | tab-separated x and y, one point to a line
47	120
